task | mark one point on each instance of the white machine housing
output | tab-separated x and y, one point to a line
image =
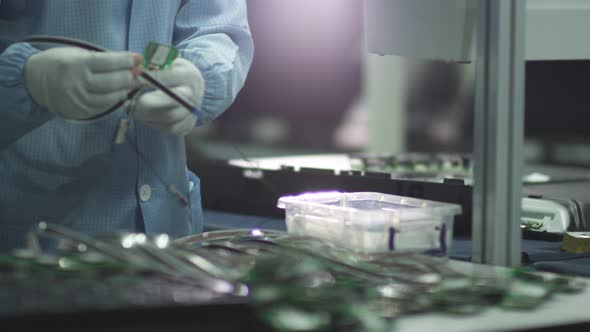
421	29
545	216
445	29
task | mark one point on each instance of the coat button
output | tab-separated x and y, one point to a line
145	192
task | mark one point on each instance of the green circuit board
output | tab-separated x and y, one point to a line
159	56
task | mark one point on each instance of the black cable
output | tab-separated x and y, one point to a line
169	187
118	105
267	184
92	47
169	92
64	41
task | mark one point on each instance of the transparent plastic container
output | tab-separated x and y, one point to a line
371	222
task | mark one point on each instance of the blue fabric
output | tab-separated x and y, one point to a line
70	172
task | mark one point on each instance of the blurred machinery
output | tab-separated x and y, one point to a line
552	202
499	35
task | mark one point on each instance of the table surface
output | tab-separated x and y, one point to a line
544	255
559	311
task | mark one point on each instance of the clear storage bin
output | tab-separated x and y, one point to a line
372	222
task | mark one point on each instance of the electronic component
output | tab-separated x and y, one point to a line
156	56
416	166
159	56
543	215
576	242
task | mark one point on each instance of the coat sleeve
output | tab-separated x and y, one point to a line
215	36
19	114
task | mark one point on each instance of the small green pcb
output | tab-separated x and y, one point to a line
159	56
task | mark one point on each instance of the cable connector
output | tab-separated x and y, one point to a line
121	132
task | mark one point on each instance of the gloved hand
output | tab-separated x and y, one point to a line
159	111
79	84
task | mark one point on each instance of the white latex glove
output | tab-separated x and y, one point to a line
79	84
157	110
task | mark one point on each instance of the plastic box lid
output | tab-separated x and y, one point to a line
370	221
367	205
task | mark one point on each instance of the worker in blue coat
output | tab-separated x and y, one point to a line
58	160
